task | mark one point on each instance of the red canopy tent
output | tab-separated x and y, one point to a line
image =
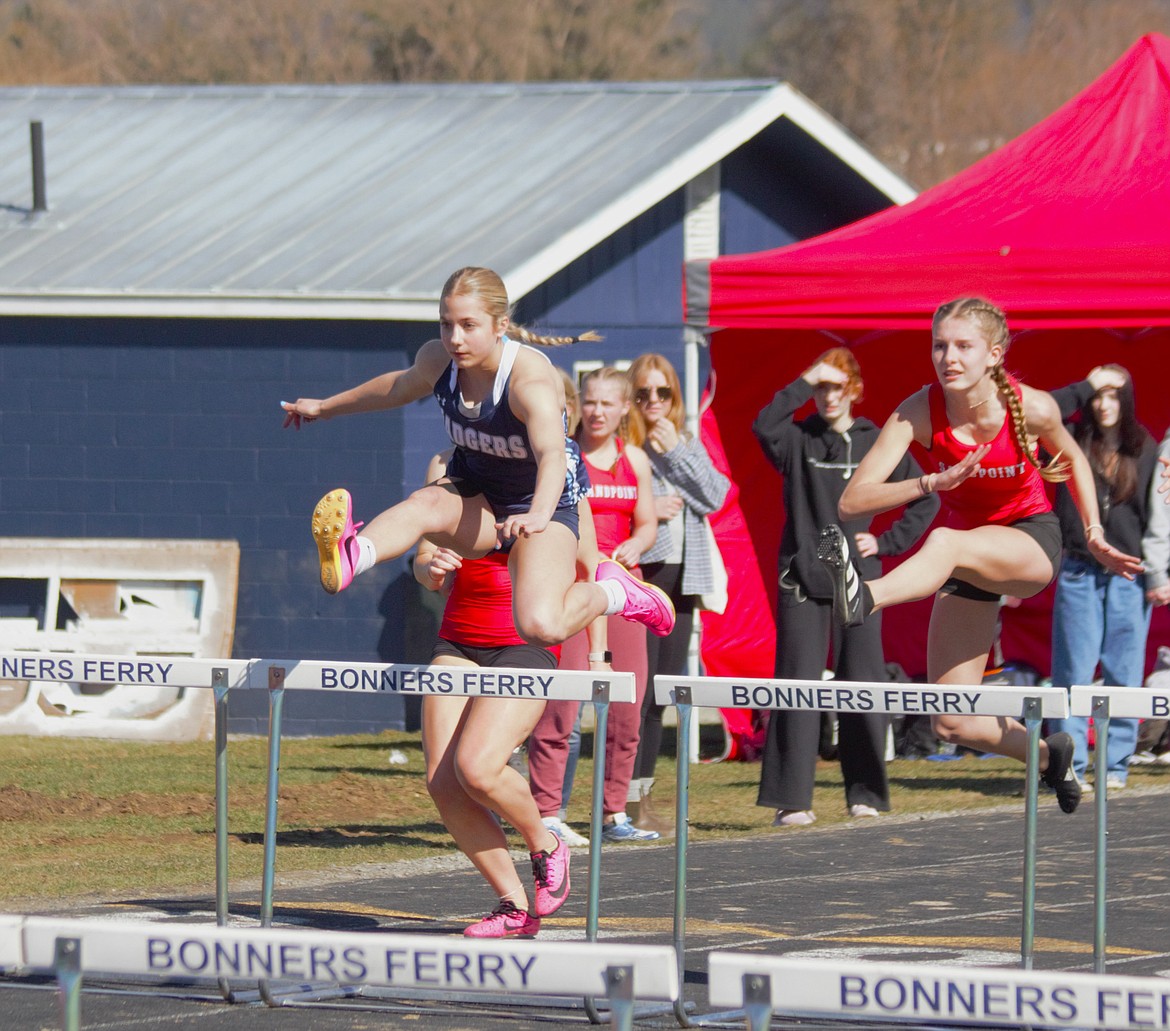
1067	228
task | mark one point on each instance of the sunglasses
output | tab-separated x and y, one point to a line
644	395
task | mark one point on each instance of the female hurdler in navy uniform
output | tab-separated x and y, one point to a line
512	481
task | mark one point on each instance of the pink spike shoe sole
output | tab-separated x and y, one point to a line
336	537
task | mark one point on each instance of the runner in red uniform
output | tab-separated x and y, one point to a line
467	742
978	428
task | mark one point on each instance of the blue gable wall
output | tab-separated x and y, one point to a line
171	428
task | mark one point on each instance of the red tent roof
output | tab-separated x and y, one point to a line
1067	225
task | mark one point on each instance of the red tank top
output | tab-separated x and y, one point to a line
478	612
1007	487
613	495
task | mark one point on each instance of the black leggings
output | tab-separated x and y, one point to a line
665	655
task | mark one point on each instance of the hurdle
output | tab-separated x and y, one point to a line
437	681
277	676
912	993
220	675
195	952
1103	703
838	695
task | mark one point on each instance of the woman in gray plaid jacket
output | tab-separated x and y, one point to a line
687	488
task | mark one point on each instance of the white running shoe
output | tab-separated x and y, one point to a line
566	833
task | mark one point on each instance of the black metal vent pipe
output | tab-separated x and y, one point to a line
37	138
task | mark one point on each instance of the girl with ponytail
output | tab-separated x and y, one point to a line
979	431
514	479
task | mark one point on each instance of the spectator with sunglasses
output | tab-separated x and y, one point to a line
687	487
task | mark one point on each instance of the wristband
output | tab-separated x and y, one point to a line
1094	526
606	656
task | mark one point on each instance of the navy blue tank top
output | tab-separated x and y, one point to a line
492	449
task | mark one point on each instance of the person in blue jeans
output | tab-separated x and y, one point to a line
1100	618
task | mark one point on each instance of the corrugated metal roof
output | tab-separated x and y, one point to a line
348	201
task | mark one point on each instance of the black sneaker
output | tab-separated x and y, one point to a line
833	551
1060	775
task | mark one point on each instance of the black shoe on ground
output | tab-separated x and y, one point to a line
833	551
1060	775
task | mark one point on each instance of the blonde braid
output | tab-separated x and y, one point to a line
1058	469
526	336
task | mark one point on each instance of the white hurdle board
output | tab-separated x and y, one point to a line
1144	703
11	943
140	670
450	681
985	996
849	696
192	951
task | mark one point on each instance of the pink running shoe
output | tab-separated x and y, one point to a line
645	603
505	921
336	535
551	872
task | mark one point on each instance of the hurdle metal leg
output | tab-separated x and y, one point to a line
268	873
757	1001
682	802
1101	827
219	687
685	713
67	967
275	719
592	902
1032	718
619	989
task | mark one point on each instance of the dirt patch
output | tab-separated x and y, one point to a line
350	796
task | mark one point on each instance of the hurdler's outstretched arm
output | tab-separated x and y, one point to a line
389	390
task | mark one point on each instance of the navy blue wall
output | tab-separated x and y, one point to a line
150	428
171	428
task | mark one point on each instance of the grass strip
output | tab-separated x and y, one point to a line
117	819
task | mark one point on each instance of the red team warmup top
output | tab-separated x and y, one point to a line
1007	487
478	612
613	495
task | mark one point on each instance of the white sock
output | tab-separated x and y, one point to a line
615	595
367	555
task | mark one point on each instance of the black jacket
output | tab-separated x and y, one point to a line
816	463
1124	523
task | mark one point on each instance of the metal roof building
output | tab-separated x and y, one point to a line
201	253
351	201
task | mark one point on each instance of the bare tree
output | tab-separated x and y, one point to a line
933	85
221	41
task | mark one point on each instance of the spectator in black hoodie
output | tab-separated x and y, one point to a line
816	457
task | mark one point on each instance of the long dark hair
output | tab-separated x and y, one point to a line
1122	474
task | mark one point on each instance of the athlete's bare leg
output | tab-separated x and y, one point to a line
961	633
437	511
548	604
472	826
490	733
999	559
